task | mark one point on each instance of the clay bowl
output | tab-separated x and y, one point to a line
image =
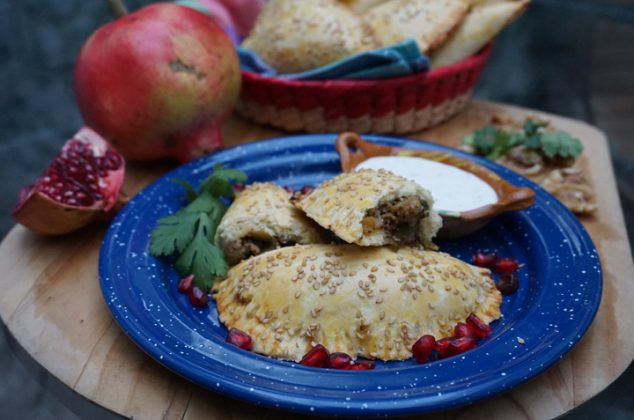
353	150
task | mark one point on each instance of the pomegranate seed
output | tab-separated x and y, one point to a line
479	327
198	297
506	265
289	189
442	347
185	284
306	189
340	361
484	260
238	187
240	339
362	365
422	348
463	330
316	357
460	345
508	283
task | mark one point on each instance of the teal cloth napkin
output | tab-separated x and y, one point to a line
393	61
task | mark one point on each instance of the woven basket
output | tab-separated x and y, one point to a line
398	105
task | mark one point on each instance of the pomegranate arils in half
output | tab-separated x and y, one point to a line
198	297
340	360
460	345
316	357
479	327
442	347
508	283
463	330
506	265
185	284
362	365
80	185
423	347
240	339
484	260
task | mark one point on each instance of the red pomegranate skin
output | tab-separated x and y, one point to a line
158	82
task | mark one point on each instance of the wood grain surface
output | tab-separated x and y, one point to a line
53	307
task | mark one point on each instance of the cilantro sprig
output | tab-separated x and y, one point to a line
188	235
493	143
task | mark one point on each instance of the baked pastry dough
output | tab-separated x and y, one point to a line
361	6
370	302
369	207
429	22
486	19
262	218
298	35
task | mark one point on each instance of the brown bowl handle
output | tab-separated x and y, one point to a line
520	199
348	140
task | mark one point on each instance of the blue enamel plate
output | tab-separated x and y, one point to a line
559	294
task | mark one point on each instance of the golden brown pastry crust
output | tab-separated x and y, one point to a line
371	302
486	19
262	213
341	204
429	22
361	6
299	35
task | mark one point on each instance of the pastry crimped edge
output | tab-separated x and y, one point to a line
370	302
340	204
264	211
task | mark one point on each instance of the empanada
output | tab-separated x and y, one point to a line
428	22
486	19
298	35
370	302
369	207
262	218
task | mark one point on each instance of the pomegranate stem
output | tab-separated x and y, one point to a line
118	7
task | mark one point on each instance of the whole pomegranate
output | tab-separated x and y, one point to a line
81	185
158	82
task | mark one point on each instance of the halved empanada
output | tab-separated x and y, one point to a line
262	218
369	207
370	302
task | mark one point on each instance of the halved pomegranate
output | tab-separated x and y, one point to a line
81	185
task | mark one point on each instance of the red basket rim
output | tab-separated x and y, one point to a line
475	60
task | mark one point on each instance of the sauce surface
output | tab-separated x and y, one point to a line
452	189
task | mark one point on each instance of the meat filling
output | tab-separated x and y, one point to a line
248	247
399	218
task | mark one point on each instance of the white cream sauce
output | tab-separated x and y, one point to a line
452	189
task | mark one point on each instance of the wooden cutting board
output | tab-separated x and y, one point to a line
52	307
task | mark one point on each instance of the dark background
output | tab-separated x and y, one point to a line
573	58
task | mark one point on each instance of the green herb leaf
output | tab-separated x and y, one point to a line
201	257
189	234
173	233
532	127
191	192
561	144
219	183
494	143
